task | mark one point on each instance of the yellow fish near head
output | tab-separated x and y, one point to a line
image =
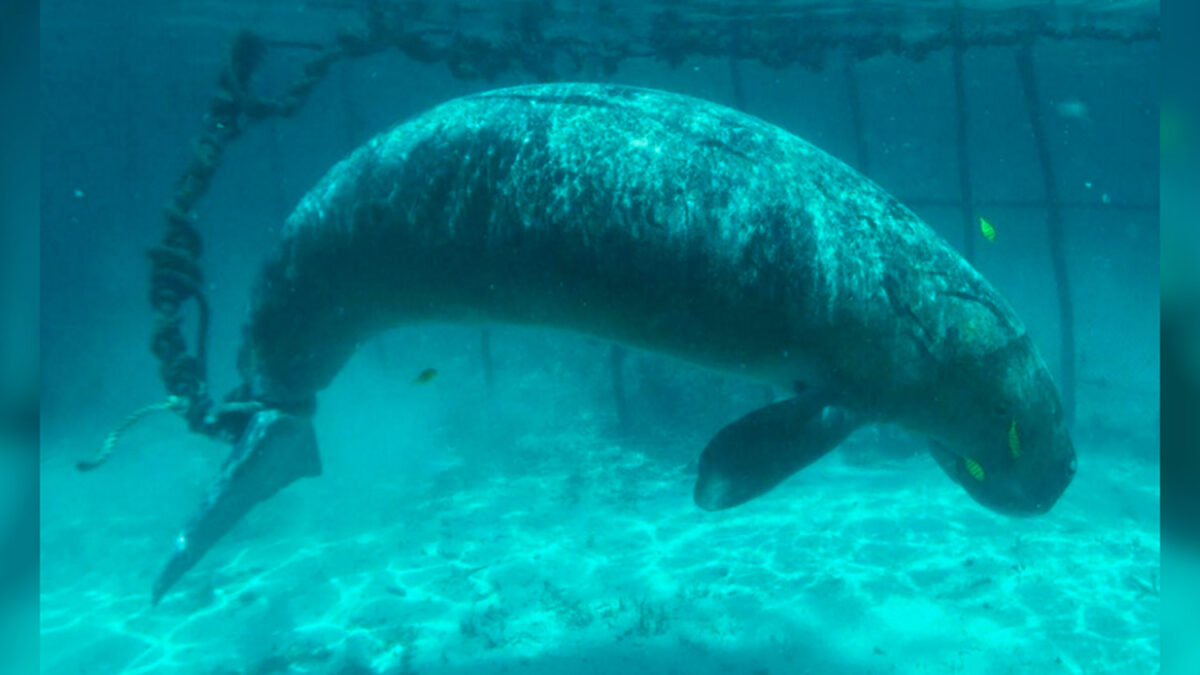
974	468
1014	440
987	229
425	376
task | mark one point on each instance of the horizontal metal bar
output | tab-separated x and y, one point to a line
1032	204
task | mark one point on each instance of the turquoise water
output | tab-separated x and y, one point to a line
462	528
460	532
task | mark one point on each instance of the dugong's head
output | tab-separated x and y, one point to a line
1001	432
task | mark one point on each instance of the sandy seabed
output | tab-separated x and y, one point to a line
587	556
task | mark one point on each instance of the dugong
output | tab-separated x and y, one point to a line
664	223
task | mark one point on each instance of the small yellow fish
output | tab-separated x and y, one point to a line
988	231
426	375
1014	440
973	468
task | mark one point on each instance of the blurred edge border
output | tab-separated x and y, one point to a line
1180	355
1180	402
20	178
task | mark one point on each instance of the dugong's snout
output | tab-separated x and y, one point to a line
274	450
1042	487
997	427
1026	485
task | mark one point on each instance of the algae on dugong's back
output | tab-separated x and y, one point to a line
666	223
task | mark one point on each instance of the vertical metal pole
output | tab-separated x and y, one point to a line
739	102
862	157
354	125
1054	222
966	199
735	80
278	172
736	35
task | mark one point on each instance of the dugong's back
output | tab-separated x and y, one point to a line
643	217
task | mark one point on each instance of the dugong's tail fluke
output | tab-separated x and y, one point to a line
275	450
757	452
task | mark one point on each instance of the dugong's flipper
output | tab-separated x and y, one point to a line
274	450
757	452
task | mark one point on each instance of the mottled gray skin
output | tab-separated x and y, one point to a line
670	224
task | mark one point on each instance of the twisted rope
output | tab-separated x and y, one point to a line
110	442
